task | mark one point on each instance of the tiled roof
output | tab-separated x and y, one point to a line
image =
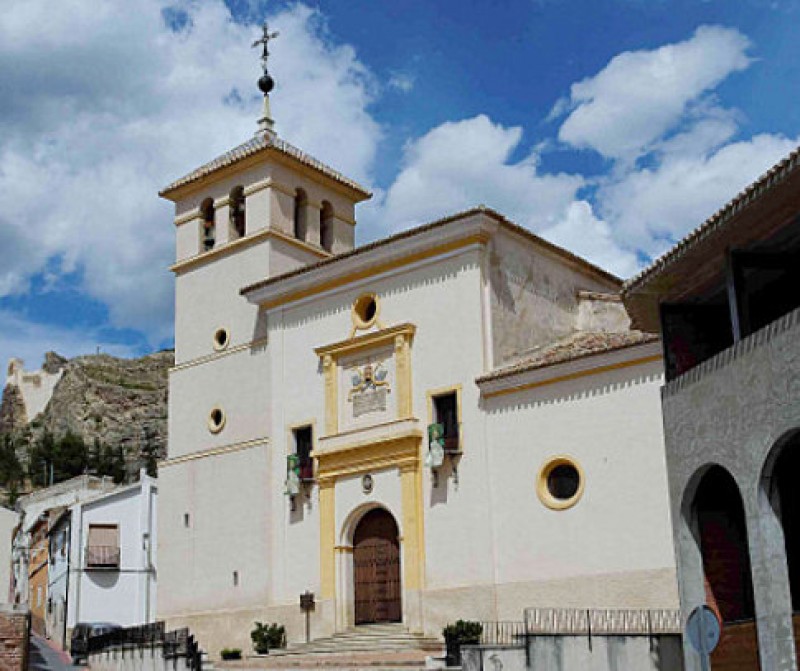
576	346
411	232
253	146
775	175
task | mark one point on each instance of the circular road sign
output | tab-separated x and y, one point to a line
703	629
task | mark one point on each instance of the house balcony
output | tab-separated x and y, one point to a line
102	557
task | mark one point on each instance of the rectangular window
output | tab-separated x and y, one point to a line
303	445
445	412
102	548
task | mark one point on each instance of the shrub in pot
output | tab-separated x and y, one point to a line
463	632
231	653
269	636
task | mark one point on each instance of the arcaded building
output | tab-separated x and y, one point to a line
727	303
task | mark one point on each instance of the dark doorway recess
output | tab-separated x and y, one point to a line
376	564
726	570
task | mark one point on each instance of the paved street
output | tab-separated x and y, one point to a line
43	657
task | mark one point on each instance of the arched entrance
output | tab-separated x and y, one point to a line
376	569
720	524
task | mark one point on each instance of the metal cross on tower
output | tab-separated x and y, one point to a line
264	40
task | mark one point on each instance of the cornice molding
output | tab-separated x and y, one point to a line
214	452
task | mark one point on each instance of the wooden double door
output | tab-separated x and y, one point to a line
376	568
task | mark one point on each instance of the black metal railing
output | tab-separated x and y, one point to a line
174	644
129	637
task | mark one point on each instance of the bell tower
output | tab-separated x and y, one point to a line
257	211
260	210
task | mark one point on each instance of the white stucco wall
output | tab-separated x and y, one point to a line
615	540
36	387
8	520
126	596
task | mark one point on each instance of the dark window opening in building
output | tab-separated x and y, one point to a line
723	544
326	226
785	481
445	410
303	445
563	481
300	214
208	233
237	212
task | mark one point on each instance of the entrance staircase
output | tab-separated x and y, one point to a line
388	646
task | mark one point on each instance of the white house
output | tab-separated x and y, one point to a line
453	422
109	543
32	509
8	522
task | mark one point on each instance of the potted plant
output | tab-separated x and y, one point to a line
266	637
231	653
463	632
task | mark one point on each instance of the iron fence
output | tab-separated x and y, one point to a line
174	644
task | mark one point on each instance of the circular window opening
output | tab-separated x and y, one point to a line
221	339
365	311
560	483
216	420
563	481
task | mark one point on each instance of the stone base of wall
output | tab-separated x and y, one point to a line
14	633
589	653
654	589
150	658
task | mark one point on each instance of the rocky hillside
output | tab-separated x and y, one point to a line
118	401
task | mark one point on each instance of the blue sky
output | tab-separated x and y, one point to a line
611	127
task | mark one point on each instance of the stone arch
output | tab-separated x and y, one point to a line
237	212
714	512
350	610
780	501
301	215
326	233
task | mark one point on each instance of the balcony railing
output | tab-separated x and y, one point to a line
102	556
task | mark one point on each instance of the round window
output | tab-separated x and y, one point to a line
560	483
221	339
365	311
216	420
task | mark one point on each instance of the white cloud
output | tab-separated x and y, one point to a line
651	209
464	163
103	104
641	95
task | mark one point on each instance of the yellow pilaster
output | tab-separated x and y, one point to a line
331	400
413	527
327	539
402	356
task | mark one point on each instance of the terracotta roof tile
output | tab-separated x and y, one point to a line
253	146
576	346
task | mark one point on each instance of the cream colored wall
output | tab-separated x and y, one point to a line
443	301
207	298
237	384
533	296
611	425
227	499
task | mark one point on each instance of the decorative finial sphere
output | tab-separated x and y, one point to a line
266	83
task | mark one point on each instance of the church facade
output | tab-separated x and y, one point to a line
453	422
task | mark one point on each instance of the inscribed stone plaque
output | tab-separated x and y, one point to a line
369	401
